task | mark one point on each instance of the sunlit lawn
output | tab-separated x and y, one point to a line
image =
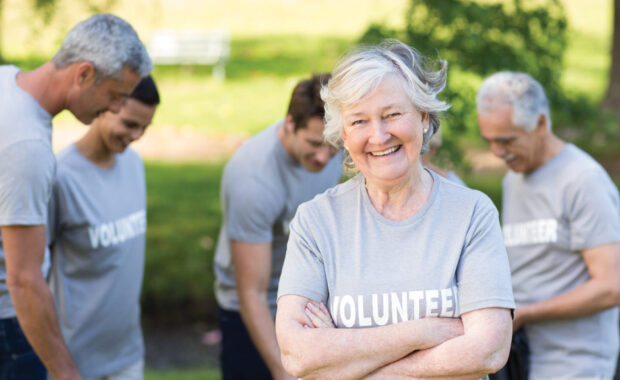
189	374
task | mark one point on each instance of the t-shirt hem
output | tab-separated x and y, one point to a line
315	296
7	313
22	220
595	243
251	239
122	364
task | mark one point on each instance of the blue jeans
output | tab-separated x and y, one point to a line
239	358
17	359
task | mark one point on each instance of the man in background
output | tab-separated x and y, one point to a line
99	63
262	185
561	224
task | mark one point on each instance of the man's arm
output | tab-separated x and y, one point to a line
252	263
24	248
312	348
600	292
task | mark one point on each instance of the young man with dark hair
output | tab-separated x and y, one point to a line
98	225
262	185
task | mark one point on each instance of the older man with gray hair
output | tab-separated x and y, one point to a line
561	225
99	63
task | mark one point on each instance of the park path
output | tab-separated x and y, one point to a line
164	143
186	144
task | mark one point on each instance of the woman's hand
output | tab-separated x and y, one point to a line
318	316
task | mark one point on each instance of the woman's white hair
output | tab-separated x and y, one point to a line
360	71
109	43
518	90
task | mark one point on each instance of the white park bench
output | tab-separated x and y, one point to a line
191	47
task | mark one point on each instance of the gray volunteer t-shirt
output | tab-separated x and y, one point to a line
27	166
549	216
98	224
446	260
261	189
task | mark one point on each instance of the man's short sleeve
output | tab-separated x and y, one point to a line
27	171
483	273
303	272
252	208
593	211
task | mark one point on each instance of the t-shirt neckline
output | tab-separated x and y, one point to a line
414	218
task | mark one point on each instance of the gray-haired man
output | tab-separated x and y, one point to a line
99	63
561	224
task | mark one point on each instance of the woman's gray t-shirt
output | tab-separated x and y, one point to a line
446	260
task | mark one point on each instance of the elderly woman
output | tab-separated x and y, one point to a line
411	267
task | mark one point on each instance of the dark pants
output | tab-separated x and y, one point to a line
239	359
17	359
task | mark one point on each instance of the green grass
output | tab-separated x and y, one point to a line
491	185
190	374
184	216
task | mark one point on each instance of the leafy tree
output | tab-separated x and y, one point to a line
478	39
46	10
612	97
1	19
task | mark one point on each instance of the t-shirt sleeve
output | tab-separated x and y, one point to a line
593	211
303	272
27	170
252	209
483	273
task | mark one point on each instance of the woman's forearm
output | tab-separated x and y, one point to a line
483	349
350	353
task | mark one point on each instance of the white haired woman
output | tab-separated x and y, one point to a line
396	272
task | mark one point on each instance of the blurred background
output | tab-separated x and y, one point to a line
203	118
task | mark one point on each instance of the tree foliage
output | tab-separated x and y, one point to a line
46	9
612	97
478	39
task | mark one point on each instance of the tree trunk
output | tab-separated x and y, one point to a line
1	8
612	98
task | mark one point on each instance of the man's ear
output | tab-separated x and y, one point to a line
542	125
289	123
85	74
